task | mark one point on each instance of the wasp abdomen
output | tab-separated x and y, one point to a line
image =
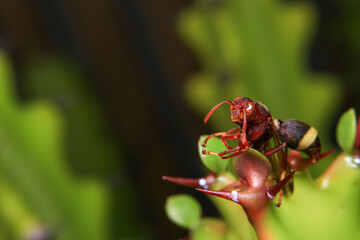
299	136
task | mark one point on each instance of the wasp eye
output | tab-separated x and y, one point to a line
250	109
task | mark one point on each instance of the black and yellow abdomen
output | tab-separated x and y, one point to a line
299	136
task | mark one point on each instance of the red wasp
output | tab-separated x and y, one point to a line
257	127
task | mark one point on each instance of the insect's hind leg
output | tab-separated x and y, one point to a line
274	150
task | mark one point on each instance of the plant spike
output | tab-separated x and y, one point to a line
272	191
204	182
233	195
357	138
300	164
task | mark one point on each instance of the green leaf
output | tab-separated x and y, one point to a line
32	161
330	204
212	162
69	87
212	229
346	131
183	210
15	216
91	149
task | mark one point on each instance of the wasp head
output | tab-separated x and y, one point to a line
241	106
238	107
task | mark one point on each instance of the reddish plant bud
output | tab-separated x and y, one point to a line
254	200
253	167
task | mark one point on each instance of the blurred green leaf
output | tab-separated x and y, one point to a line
32	161
14	214
327	210
90	145
183	210
212	229
346	131
212	162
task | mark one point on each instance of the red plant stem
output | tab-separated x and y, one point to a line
257	220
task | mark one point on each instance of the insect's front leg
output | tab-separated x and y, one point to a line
243	145
229	153
229	135
232	151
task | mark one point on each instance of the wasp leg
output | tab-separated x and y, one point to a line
211	136
229	153
232	136
283	167
233	152
243	145
281	191
224	139
274	150
223	136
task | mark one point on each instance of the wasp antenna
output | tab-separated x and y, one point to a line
272	191
214	108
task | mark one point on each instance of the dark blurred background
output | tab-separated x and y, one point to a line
116	71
